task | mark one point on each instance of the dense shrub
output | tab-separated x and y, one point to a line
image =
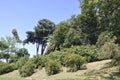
54	55
89	52
13	58
5	68
39	60
74	61
116	60
103	37
20	62
108	50
27	69
62	58
52	67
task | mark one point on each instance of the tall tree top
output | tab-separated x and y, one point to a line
15	34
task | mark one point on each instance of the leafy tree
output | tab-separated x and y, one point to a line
59	34
99	16
89	20
72	38
77	30
8	48
108	13
66	34
40	34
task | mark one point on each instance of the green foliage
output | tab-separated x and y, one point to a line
3	45
20	58
39	60
74	61
22	52
88	20
72	38
59	34
54	55
103	37
5	68
52	67
15	34
109	15
13	58
89	52
40	34
103	15
65	35
108	50
8	48
116	60
20	62
27	69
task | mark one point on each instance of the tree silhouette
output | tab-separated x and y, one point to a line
40	34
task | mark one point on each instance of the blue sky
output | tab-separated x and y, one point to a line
24	15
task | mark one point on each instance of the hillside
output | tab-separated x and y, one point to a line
95	71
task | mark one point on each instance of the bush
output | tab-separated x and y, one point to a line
52	67
116	60
5	68
108	50
62	58
27	69
39	60
74	61
103	37
20	62
54	55
89	52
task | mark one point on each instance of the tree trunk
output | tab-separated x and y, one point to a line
37	47
42	51
43	46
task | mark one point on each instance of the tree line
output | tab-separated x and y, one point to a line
92	35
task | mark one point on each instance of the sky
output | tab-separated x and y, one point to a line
23	15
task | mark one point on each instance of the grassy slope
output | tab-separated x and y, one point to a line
94	71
